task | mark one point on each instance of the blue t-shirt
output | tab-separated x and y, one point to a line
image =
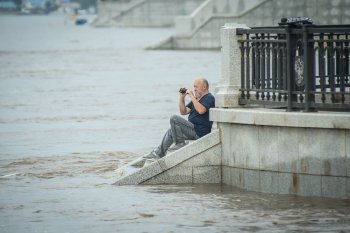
201	123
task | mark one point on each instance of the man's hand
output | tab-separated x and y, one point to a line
182	95
189	92
183	109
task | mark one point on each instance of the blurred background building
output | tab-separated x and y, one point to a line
45	6
197	22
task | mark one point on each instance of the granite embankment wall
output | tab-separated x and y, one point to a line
201	29
143	13
274	151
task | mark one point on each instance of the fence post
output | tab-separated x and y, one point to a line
227	91
291	46
308	70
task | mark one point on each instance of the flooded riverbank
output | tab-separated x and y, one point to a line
78	102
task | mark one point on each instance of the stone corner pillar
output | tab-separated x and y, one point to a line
227	91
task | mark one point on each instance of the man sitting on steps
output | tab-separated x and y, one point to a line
198	123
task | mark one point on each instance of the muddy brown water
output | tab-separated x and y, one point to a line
78	102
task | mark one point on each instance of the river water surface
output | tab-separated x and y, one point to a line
77	102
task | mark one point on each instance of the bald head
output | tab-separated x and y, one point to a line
203	82
201	87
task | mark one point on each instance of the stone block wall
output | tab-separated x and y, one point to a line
274	151
210	9
208	36
321	11
200	30
144	13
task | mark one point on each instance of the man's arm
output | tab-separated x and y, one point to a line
183	109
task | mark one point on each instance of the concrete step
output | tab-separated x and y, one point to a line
198	157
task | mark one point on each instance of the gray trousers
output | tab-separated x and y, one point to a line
180	130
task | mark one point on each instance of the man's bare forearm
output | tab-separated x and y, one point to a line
182	106
197	105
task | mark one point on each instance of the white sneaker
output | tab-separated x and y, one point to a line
177	146
151	155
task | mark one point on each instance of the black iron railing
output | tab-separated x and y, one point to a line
297	67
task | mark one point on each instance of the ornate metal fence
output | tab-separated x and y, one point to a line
297	67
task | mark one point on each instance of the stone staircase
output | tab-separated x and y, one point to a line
197	162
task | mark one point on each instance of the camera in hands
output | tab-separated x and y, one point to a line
183	90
